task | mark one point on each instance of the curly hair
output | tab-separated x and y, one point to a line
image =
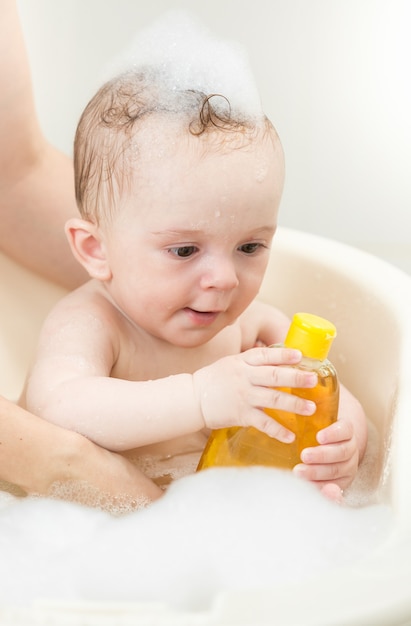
106	131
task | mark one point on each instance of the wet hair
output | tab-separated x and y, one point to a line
105	139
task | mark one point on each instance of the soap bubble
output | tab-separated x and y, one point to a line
182	55
218	530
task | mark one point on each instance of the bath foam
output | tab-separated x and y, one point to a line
182	55
222	529
84	493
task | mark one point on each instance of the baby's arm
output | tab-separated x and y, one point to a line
71	385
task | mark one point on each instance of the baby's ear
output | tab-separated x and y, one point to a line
88	247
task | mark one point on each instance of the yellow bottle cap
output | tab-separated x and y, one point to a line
311	334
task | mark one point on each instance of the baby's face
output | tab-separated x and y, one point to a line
190	243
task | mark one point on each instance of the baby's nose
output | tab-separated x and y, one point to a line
220	275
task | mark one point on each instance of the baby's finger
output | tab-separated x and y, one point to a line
270	427
333	492
271	356
271	398
276	376
340	473
332	453
341	430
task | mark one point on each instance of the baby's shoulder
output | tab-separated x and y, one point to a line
86	305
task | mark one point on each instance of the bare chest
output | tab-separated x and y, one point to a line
166	461
148	359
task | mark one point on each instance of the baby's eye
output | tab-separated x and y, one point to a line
250	248
183	251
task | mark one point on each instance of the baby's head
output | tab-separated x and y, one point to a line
134	117
179	195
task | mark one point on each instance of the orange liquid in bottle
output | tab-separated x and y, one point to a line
237	446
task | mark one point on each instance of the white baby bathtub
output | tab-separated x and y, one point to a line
370	303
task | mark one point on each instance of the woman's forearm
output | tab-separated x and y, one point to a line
38	456
36	180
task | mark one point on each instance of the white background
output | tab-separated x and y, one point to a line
334	76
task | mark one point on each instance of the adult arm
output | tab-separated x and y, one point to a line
36	180
42	458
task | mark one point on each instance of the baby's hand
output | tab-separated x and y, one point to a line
233	390
336	460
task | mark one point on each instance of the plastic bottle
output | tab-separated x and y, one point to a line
237	446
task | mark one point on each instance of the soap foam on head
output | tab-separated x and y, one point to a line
182	55
218	530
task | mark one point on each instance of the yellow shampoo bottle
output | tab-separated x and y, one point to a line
237	446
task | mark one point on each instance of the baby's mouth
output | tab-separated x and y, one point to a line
201	318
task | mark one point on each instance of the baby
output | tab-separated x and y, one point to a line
179	196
